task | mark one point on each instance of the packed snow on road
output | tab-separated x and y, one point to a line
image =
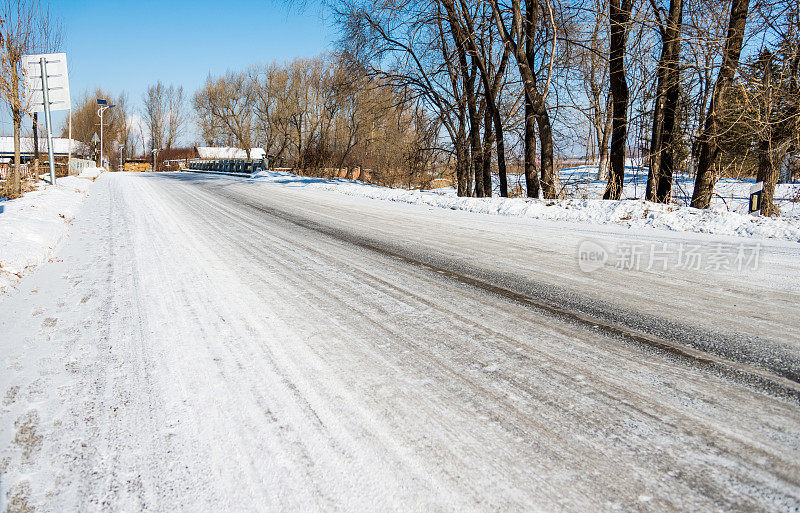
194	342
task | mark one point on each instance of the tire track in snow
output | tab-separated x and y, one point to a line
230	216
772	376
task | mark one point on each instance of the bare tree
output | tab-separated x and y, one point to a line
709	145
154	114
127	138
86	123
619	18
164	113
592	98
410	46
176	115
473	31
521	39
225	108
26	26
662	141
776	105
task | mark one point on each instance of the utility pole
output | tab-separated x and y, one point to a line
36	145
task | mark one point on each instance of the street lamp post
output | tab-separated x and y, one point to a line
103	107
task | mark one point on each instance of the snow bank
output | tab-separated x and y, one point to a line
630	213
730	194
90	172
31	226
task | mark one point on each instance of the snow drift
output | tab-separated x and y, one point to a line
31	226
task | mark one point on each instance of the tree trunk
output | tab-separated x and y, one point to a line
619	17
462	163
477	162
662	145
474	133
548	183
488	142
656	146
477	149
15	187
664	192
767	173
709	148
501	151
767	156
531	178
602	168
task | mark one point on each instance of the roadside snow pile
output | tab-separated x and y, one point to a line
31	226
90	172
629	213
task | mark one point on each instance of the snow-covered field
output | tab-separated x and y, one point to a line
31	226
205	343
729	194
727	217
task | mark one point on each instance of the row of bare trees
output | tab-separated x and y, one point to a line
318	114
160	122
86	124
672	80
164	114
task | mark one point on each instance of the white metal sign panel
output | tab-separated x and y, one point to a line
57	81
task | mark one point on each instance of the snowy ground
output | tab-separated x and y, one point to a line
727	217
31	226
729	194
205	343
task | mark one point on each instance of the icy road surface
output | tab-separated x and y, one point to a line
209	344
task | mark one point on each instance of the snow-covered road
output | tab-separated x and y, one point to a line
203	343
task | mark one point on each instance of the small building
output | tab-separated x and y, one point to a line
61	148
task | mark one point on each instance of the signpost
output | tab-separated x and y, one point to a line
47	88
755	198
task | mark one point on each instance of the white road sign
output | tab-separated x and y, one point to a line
57	81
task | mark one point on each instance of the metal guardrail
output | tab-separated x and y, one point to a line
239	166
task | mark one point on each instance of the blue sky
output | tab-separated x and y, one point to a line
129	45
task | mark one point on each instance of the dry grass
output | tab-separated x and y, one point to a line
11	395
18	497
28	437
